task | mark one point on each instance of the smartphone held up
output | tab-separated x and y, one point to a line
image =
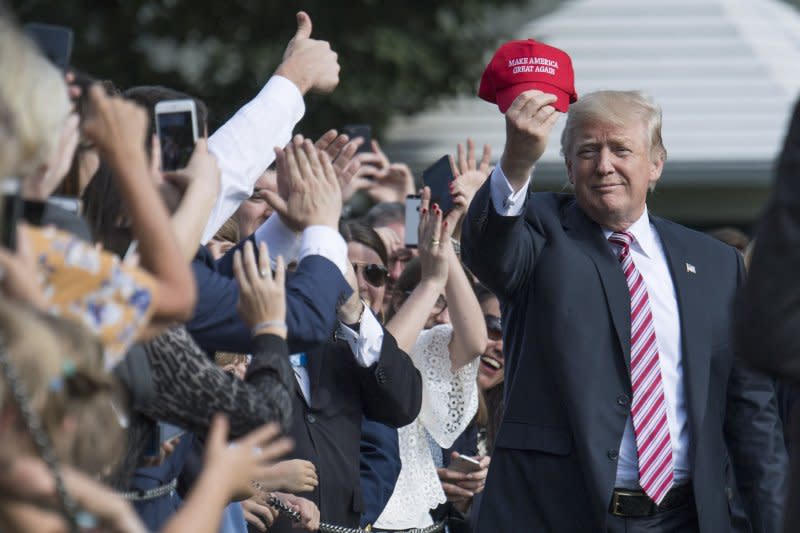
437	177
176	127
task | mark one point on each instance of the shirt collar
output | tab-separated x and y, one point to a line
642	232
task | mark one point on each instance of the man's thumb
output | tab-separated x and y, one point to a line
303	25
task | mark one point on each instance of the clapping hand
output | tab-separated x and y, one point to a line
308	189
434	240
342	150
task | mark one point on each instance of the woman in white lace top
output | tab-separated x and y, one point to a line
446	356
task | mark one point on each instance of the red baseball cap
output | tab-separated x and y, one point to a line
520	66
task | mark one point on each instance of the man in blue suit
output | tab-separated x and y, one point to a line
626	409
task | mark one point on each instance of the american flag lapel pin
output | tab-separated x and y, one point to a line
690	268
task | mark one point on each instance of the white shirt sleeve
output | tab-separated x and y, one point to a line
507	202
324	241
243	146
279	238
315	240
365	343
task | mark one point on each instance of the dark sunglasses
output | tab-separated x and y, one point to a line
494	327
375	275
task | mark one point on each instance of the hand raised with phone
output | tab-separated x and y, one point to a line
308	189
309	63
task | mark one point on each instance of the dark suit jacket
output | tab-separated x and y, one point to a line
768	314
379	466
312	295
328	432
567	385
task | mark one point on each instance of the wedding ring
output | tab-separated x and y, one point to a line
263	272
434	242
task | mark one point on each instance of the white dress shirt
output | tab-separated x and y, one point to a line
648	255
243	146
365	344
314	240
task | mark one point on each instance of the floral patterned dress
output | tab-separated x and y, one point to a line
94	287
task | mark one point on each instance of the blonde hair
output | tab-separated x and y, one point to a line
228	232
33	104
229	358
617	108
60	366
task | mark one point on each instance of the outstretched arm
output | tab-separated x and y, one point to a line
243	145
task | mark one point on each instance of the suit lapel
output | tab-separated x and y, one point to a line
582	228
689	295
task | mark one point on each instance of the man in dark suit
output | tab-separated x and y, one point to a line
362	373
768	314
625	407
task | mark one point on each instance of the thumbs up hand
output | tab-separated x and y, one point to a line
309	63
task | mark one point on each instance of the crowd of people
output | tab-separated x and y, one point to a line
226	347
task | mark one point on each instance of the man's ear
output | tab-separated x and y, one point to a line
656	168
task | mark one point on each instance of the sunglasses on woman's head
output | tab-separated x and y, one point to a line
374	274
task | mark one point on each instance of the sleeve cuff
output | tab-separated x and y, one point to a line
279	238
287	95
507	202
324	241
269	344
366	343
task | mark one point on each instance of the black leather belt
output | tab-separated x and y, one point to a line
635	503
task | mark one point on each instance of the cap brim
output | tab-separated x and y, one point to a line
506	97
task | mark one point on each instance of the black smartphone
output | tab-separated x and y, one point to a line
360	130
12	211
54	41
162	432
176	125
438	177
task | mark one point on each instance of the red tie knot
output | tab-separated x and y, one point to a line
623	239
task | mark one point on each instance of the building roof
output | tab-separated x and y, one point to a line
724	71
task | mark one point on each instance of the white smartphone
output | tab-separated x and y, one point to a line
176	126
412	220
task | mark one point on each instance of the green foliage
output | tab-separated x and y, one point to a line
396	57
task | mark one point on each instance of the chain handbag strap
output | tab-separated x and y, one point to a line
294	516
41	439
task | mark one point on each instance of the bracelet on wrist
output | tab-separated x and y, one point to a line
276	324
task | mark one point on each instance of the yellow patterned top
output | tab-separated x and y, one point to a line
114	300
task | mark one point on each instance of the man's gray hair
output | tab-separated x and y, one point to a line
617	108
385	213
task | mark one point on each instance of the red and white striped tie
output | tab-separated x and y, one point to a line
648	408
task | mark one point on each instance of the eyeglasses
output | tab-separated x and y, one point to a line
374	274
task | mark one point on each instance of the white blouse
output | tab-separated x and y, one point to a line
449	402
